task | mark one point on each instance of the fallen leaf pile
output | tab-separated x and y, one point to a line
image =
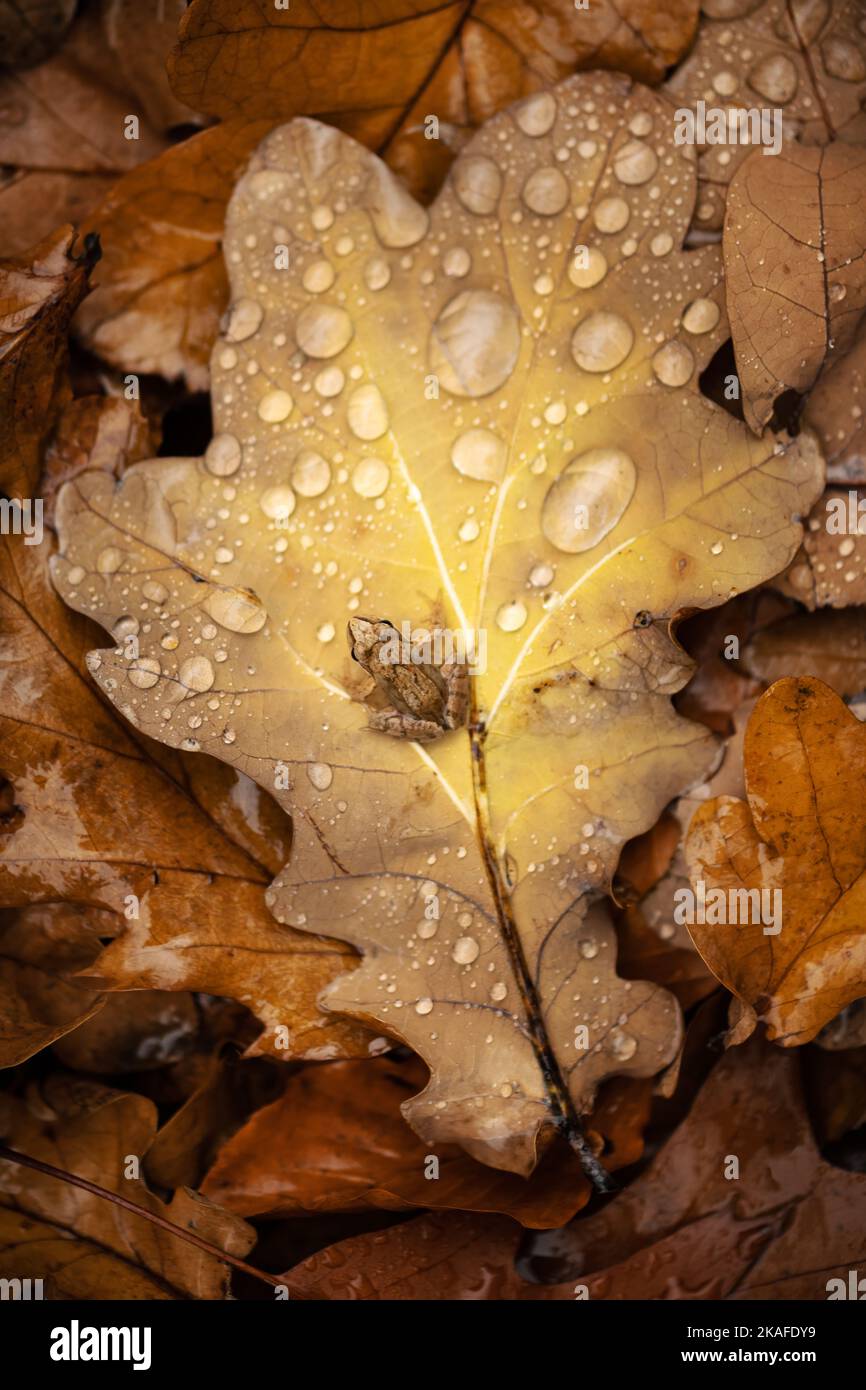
534	968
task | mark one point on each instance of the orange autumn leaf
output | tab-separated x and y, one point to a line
336	1141
162	286
800	838
379	71
678	1231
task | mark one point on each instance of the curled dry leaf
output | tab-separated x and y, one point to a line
133	1032
801	838
109	821
795	249
30	30
335	1141
62	124
41	949
381	72
106	432
162	287
829	569
675	1233
831	646
82	1245
456	419
38	296
835	411
802	59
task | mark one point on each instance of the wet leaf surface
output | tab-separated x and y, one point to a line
470	512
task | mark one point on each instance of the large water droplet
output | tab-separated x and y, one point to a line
278	502
457	262
323	330
635	163
321	775
479	454
701	316
329	382
109	560
546	192
377	273
601	342
311	474
611	215
592	272
399	221
536	115
588	499
475	343
843	60
275	406
197	674
622	1045
223	455
367	412
477	183
238	610
143	672
370	477
511	616
466	950
318	277
775	77
673	364
244	318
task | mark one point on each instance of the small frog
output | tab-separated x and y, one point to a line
425	701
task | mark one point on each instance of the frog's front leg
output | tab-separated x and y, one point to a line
456	677
391	721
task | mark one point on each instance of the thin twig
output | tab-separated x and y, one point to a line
50	1171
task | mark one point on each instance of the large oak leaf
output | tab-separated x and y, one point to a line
485	417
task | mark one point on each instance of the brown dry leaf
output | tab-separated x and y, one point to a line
161	286
683	1230
800	833
38	296
568	495
803	58
794	246
831	646
847	1029
30	30
109	820
82	1245
62	140
140	35
106	432
132	1032
829	569
227	1092
41	948
380	71
836	411
336	1140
